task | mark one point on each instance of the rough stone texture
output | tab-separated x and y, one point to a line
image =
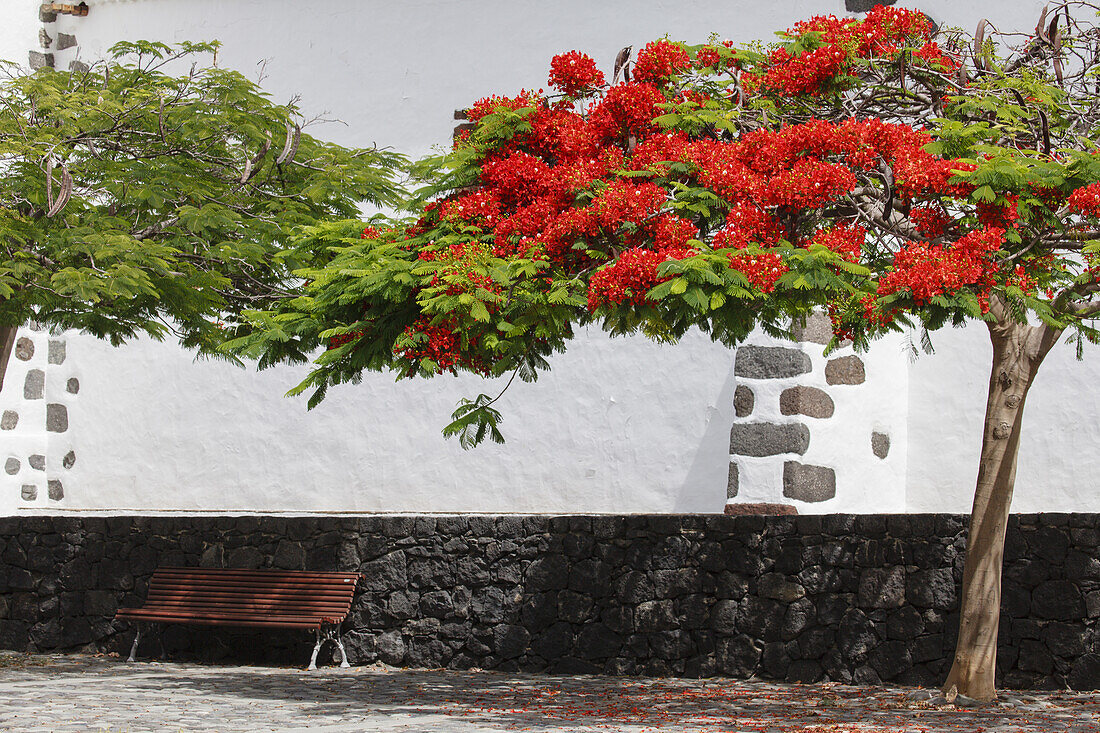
733	482
11	466
69	460
880	444
65	40
79	67
817	329
855	599
44	38
46	15
24	348
744	400
33	385
863	6
37	461
845	370
742	508
766	439
9	420
56	352
29	492
57	418
770	362
55	490
808	483
73	385
38	60
804	400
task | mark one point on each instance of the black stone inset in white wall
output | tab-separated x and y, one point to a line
808	483
770	362
880	444
743	401
33	385
57	418
809	401
732	483
766	439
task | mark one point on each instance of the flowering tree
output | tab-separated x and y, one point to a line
900	177
134	201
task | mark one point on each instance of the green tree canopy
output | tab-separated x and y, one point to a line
136	201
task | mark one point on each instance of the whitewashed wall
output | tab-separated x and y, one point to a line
618	425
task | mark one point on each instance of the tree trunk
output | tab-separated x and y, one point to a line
1018	349
7	341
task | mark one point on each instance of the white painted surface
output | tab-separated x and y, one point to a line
618	425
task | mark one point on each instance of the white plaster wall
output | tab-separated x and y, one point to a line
19	30
619	425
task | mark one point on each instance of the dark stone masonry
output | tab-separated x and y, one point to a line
863	599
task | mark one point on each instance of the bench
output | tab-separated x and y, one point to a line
283	599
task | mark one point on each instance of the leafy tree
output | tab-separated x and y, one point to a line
133	201
900	176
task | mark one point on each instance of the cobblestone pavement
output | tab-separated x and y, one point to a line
83	693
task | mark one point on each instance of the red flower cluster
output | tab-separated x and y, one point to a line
627	280
1003	216
1086	201
929	222
929	270
575	74
441	344
660	60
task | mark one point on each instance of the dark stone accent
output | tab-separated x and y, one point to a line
767	439
72	386
808	483
69	460
46	15
853	599
57	418
24	348
38	60
55	490
742	509
845	370
12	466
803	400
56	353
37	461
863	6
29	492
770	362
744	400
65	40
79	67
817	328
33	384
9	420
880	444
732	482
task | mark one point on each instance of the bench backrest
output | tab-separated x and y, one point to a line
226	596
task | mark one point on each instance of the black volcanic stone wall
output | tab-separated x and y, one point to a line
862	599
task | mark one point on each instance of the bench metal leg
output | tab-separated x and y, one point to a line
316	648
134	646
331	633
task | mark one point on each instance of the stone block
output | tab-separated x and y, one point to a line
744	400
72	386
808	483
732	482
56	352
29	492
804	400
845	370
882	588
33	384
1059	600
24	348
768	439
11	466
69	460
37	461
57	418
880	444
39	60
741	509
780	588
65	40
9	420
817	328
770	362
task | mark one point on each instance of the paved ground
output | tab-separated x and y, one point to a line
89	694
